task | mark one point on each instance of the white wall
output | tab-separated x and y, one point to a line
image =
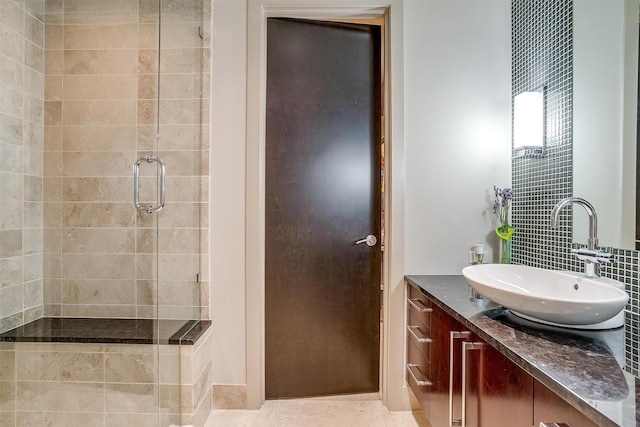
457	128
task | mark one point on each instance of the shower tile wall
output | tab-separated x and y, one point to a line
21	144
542	56
100	116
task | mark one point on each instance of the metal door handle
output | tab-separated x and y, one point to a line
419	383
413	302
466	346
452	336
370	240
554	425
136	184
422	338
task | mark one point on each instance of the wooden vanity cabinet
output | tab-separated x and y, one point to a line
494	391
550	409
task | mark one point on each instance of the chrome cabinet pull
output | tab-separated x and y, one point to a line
420	339
554	425
420	383
466	346
370	240
413	303
136	184
453	335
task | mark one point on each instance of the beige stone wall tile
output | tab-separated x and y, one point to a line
53	7
170	398
147	86
33	240
11	322
99	240
100	138
52	189
131	368
11	73
33	109
92	310
34	30
146	293
11	215
10	300
104	189
33	83
12	104
104	12
180	137
52	266
10	130
52	112
184	60
97	215
53	62
66	419
11	271
10	243
98	164
90	266
132	420
34	56
12	186
186	293
99	86
52	310
52	239
52	291
11	44
145	267
148	35
59	347
53	88
7	396
33	313
53	138
101	112
100	36
98	291
202	387
183	163
180	10
179	111
183	188
32	293
180	215
180	86
180	35
178	267
60	396
147	112
7	365
11	15
35	8
32	188
131	398
34	140
33	214
178	312
229	396
32	267
52	164
53	36
60	366
169	368
123	61
52	215
203	411
178	241
147	61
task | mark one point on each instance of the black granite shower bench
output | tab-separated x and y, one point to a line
108	331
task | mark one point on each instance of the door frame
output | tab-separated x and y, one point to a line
392	383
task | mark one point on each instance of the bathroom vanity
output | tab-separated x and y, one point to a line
475	363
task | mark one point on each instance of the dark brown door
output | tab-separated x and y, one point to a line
323	187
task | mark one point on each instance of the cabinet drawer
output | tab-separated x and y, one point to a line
419	334
418	375
419	304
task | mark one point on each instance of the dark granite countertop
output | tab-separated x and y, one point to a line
108	331
586	368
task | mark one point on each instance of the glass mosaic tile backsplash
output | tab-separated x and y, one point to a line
542	58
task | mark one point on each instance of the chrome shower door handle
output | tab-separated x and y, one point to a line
136	184
370	240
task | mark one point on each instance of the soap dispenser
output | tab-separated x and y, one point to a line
476	256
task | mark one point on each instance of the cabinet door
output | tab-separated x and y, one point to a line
497	392
550	408
442	376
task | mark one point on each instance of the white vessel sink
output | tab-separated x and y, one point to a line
556	298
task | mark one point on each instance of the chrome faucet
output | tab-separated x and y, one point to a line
591	255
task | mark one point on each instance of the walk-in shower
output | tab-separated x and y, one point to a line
103	212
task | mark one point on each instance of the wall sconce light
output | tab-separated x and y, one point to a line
529	124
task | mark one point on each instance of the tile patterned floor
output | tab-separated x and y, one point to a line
320	412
